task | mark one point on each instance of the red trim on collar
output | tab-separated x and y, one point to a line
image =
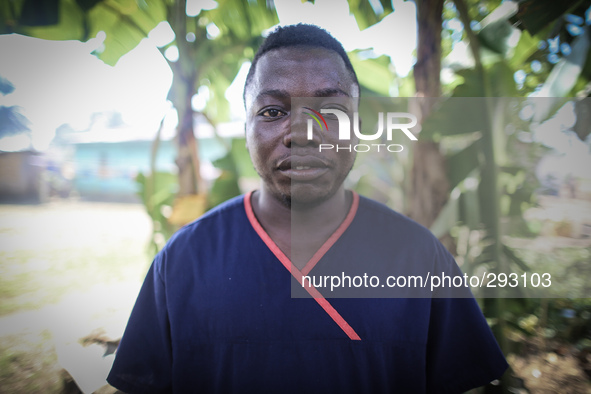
313	261
334	237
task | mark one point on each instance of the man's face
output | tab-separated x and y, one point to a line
290	165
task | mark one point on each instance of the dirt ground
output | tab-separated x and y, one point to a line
67	270
548	367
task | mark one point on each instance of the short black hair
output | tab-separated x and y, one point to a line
299	35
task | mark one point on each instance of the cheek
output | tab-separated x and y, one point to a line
250	145
252	139
255	148
348	159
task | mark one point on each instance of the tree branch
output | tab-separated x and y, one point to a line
474	43
125	18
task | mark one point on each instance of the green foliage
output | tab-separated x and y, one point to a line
583	112
373	74
564	75
125	23
368	13
241	20
469	168
535	15
460	165
559	48
226	184
157	193
572	328
241	157
525	48
496	30
441	122
488	172
217	60
492	170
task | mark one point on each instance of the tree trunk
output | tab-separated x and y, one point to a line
428	66
430	187
186	144
185	76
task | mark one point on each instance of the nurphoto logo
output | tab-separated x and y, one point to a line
402	121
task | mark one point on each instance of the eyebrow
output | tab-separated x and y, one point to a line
328	92
273	93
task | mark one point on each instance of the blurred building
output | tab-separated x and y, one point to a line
22	177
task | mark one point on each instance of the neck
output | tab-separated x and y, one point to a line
299	232
330	212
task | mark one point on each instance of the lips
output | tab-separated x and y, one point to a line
303	168
302	162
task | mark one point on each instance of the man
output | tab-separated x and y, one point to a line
216	312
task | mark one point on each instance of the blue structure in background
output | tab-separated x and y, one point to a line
106	171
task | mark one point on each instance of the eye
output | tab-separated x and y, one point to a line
332	116
272	113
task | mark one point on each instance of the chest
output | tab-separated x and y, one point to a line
248	296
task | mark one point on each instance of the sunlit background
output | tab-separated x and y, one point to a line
88	177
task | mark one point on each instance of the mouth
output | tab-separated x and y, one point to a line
303	168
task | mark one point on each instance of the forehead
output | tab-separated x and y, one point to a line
300	72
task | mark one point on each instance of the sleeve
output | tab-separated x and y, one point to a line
143	361
462	352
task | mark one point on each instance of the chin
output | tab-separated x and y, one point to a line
303	197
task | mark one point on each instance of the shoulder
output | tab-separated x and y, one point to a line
376	210
378	218
205	235
216	218
230	208
387	235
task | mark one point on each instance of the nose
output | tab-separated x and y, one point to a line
300	126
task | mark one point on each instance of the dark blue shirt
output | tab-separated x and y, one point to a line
216	315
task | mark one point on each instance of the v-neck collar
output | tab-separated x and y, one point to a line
296	273
319	253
